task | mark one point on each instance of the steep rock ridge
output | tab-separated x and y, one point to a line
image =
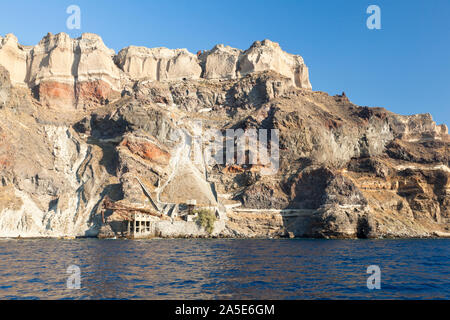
418	127
63	72
221	62
345	171
224	62
67	73
158	63
342	167
267	55
14	58
51	186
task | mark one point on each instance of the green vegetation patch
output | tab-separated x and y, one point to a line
205	218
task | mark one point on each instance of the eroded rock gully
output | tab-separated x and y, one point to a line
81	126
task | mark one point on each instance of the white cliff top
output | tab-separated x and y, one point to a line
60	58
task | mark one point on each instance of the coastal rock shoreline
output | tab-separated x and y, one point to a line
90	140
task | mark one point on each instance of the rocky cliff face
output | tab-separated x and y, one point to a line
67	73
82	128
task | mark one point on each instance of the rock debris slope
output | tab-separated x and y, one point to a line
84	130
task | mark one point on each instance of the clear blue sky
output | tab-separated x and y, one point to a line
404	67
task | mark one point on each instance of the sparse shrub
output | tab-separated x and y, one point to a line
205	218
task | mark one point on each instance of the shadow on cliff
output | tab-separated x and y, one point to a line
316	202
113	192
105	133
328	205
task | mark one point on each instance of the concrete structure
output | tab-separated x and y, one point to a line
140	226
191	205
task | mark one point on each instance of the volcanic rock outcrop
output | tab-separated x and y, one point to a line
68	73
88	137
158	63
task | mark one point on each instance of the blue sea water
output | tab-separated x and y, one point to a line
224	269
